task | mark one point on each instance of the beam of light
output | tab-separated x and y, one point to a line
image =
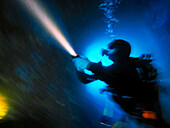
3	106
38	12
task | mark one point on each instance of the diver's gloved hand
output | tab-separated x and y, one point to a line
81	63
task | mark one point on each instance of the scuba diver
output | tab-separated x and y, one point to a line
132	81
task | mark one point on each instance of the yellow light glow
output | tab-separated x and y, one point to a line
3	106
42	16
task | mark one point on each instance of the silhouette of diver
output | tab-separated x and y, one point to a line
133	81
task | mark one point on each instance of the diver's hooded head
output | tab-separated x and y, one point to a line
118	50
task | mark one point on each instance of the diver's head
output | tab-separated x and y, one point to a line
118	50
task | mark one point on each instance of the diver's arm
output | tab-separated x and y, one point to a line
94	67
80	65
97	69
85	78
99	72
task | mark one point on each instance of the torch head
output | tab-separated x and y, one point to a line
75	56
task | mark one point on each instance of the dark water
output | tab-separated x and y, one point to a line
37	76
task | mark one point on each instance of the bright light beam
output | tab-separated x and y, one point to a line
38	12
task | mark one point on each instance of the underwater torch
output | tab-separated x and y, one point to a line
51	27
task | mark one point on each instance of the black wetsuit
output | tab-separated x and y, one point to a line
125	81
